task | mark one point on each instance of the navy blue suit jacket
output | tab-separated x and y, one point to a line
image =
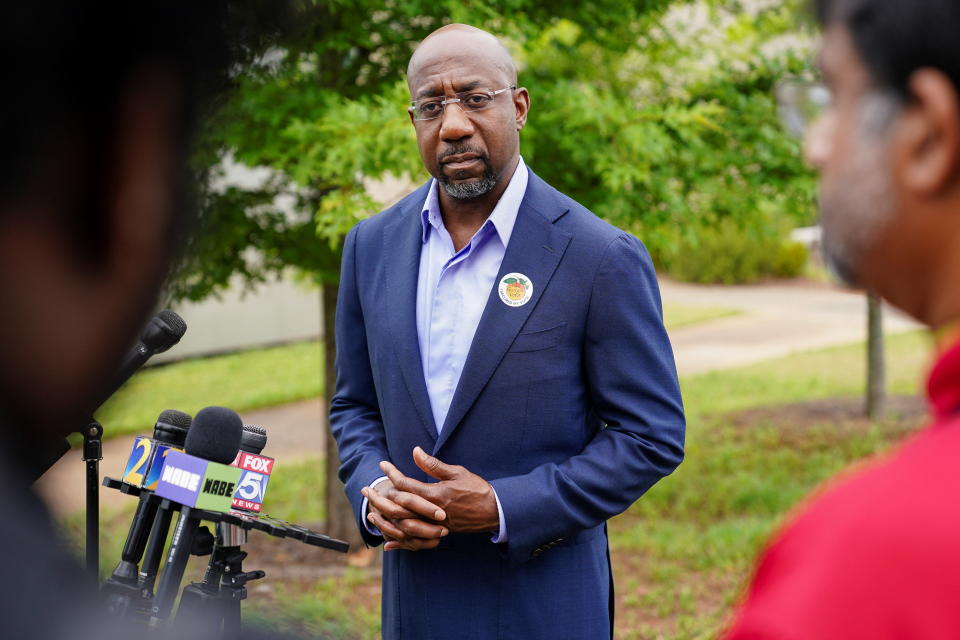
568	405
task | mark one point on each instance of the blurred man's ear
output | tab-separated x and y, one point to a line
927	147
66	318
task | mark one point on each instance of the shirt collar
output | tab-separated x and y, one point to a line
503	217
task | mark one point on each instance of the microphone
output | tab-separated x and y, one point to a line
162	332
253	439
197	479
252	485
143	469
224	578
256	469
145	463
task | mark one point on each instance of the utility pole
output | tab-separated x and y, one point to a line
876	365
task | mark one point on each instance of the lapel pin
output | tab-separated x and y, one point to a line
515	289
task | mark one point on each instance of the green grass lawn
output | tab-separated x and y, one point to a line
676	316
242	381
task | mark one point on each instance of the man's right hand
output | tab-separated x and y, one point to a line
407	521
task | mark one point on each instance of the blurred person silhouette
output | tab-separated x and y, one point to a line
96	117
876	554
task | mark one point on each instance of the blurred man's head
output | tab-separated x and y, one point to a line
466	149
889	150
98	102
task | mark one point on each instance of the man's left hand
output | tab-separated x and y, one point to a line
467	499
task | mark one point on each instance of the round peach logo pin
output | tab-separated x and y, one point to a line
515	289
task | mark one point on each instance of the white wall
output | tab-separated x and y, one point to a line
274	313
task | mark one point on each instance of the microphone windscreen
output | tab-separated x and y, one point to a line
171	427
254	438
215	435
163	331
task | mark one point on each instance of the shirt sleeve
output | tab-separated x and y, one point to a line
363	508
501	535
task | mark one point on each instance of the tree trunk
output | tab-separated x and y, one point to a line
340	519
876	367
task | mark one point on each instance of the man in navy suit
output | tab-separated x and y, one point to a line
504	381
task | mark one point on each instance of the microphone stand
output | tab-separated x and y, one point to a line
92	455
215	602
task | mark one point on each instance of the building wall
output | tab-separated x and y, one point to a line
274	313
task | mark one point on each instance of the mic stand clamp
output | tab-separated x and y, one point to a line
214	604
92	455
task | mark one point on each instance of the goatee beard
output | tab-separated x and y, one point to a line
472	189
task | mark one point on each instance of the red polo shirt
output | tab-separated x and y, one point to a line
876	555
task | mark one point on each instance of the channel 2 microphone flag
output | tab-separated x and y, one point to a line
145	464
255	474
199	483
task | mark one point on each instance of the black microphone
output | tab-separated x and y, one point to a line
162	332
224	577
254	438
215	435
170	431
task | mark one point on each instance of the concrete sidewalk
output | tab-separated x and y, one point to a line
777	320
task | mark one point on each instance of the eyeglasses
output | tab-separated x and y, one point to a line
469	101
801	103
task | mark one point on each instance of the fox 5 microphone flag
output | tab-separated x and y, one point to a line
255	474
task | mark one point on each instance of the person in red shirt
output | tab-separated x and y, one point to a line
877	554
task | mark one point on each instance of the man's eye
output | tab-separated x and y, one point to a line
430	108
476	100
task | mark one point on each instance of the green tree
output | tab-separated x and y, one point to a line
679	139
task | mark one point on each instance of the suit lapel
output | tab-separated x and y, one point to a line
535	250
402	242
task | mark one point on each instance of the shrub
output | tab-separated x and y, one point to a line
731	252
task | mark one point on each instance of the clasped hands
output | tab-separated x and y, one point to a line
414	515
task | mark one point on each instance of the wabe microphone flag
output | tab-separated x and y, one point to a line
198	483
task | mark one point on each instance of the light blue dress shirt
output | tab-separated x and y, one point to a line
453	287
452	291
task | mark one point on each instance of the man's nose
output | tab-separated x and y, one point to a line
817	144
455	124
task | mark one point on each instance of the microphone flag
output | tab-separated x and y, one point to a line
145	464
199	483
255	475
138	463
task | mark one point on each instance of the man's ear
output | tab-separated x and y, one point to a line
521	102
927	146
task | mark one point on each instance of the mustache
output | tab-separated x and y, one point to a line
463	148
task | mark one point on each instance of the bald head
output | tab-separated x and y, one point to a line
472	148
461	42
